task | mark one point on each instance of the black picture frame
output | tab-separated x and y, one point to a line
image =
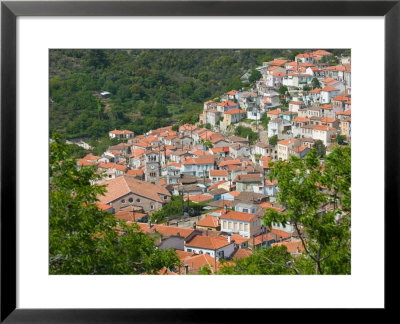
11	10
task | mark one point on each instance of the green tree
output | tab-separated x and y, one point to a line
317	201
208	144
264	121
263	261
283	90
246	132
273	140
321	148
340	139
315	83
85	239
255	75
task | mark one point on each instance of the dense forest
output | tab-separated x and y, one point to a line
149	88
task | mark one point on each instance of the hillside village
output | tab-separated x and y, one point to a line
219	179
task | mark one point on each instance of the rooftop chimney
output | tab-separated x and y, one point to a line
149	224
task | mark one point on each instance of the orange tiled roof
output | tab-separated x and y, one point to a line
136	172
208	242
200	160
341	98
230	162
82	162
321	52
292	247
112	166
209	221
234	215
199	261
301	119
227	103
222	173
316	90
328	89
120	132
91	157
123	185
287	141
199	198
235	111
240	254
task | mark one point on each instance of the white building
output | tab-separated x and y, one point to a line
198	167
244	224
217	247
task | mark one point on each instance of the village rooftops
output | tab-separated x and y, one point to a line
235	111
123	185
112	166
292	247
230	162
287	141
341	98
208	221
277	62
234	215
121	132
240	254
322	53
198	161
316	90
208	242
227	103
248	196
329	89
301	120
218	173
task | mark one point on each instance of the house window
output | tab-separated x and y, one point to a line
123	201
130	200
241	227
245	210
138	200
246	227
224	224
189	250
152	206
230	225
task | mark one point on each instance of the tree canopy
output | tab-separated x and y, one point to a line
83	238
317	200
148	88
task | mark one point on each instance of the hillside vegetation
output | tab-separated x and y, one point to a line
149	88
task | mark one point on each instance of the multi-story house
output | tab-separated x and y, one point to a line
199	167
244	224
128	191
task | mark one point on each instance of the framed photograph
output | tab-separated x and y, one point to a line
303	41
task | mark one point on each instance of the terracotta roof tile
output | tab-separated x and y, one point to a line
207	242
125	184
234	215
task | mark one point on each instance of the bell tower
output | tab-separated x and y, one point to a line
152	168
